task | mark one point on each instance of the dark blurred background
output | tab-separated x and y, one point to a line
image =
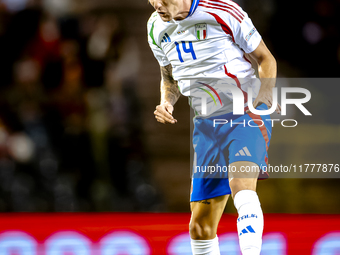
78	89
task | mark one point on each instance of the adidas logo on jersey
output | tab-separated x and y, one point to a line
243	152
166	38
247	230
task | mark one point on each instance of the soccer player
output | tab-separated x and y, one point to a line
200	39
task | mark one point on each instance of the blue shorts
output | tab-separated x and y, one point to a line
234	138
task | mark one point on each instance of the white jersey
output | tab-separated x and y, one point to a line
209	43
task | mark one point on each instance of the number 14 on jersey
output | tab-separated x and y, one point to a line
189	49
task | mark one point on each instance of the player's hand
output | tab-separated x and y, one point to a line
163	113
266	97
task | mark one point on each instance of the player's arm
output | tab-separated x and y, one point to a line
267	72
169	96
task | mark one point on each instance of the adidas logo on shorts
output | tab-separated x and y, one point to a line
243	152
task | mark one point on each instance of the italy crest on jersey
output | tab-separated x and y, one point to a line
201	31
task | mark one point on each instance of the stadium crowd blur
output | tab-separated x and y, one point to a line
71	127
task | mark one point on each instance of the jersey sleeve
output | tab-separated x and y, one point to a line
243	31
156	49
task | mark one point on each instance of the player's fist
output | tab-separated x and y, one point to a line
163	113
265	96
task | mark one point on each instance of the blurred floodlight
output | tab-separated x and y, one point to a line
21	147
312	32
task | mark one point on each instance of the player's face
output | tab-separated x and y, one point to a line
167	9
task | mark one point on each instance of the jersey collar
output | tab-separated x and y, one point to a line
193	7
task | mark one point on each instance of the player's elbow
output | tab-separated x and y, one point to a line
267	59
273	65
272	60
268	67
